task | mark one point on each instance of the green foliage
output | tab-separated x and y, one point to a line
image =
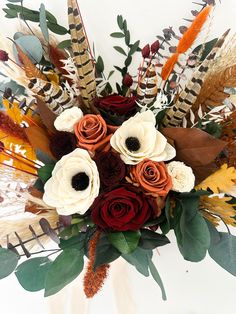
43	157
190	228
45	172
43	22
157	278
140	260
66	267
149	239
125	242
65	44
99	65
205	48
14	10
223	249
105	252
124	33
214	129
31	274
31	46
8	262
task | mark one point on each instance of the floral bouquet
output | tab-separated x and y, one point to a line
107	174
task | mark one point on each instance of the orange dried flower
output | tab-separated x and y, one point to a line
8	126
94	280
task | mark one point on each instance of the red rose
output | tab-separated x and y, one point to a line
118	104
122	209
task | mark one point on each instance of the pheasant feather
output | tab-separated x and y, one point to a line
147	88
54	96
188	96
82	58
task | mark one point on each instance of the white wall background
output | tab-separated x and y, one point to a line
202	288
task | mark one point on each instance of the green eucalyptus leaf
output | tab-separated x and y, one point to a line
120	21
149	239
105	252
120	50
205	48
75	242
223	249
39	185
134	47
10	13
110	74
31	274
117	35
192	232
50	17
64	44
140	260
99	65
14	1
43	22
57	29
128	61
66	267
127	38
31	46
157	278
125	242
43	157
45	172
8	262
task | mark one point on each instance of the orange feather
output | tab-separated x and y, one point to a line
169	65
186	41
192	32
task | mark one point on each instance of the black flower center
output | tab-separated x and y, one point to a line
80	181
132	143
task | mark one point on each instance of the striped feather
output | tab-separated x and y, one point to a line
56	99
147	88
82	58
188	96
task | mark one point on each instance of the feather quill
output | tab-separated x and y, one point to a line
82	57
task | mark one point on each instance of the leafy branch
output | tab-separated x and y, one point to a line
124	33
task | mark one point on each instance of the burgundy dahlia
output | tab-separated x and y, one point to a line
111	168
62	143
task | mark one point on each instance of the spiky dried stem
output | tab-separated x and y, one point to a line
94	280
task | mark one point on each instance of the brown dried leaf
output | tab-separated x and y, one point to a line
47	116
195	148
39	139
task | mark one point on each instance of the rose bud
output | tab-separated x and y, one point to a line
155	46
127	80
146	51
3	56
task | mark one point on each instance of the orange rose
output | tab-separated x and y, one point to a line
152	177
92	132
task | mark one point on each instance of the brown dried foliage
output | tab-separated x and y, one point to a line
8	126
94	280
212	92
229	136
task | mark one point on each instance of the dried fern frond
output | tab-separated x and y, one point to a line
213	90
